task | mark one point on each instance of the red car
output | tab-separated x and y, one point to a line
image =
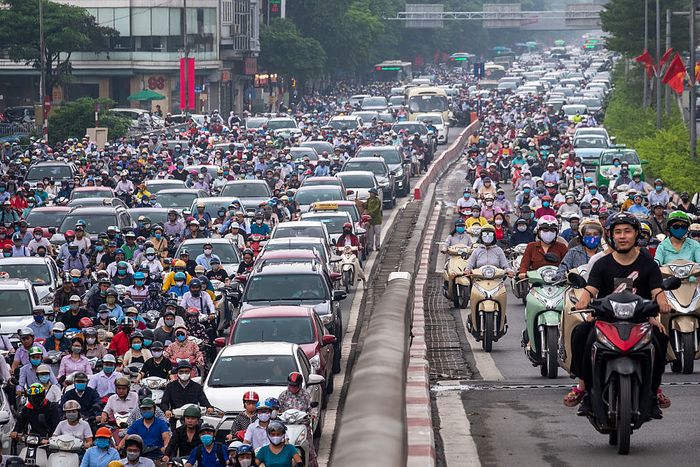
295	324
47	217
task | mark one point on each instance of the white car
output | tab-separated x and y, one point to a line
360	182
441	125
18	299
43	273
262	367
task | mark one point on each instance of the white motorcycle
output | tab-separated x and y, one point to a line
64	451
156	385
347	266
298	431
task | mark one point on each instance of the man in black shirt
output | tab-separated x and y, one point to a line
183	391
157	365
217	272
626	266
43	416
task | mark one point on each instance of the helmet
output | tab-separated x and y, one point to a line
112	291
646	230
179	276
134	439
195	283
623	218
90	331
678	216
144	392
347	225
71	405
25	332
206	427
192	311
275	403
294	379
85	323
246	449
35	350
139	276
276	426
251	396
590	223
103	432
192	411
36	389
153	287
248	251
264	405
122	381
179	263
135	335
128	322
547	221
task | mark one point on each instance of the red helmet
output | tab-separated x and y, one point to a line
251	396
70	233
295	379
347	225
85	323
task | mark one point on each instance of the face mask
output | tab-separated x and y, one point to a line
35	361
276	440
72	416
80	386
658	187
136	346
500	197
264	416
58	335
157	353
195	293
43	379
102	443
148	414
150	257
548	237
39	318
74	253
76	350
91	340
207	439
616	164
593	192
181	338
207	251
488	238
678	232
132	456
476	214
139	283
460	230
99	247
522	228
685	199
108	370
158	236
526	191
245	462
147	342
467	196
169	322
121	272
38	237
498	221
545	204
577	177
489	203
183	376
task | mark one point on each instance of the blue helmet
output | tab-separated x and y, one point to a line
139	276
245	449
180	276
264	405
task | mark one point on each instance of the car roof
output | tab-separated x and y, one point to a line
15	284
322	214
258	348
287	254
244	182
96	210
93	188
355	172
51	209
167	181
370	148
292	240
24	260
366	159
291	268
318	188
276	311
193	191
201	241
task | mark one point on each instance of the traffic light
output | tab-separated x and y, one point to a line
479	70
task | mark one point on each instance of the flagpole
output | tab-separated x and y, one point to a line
658	55
691	106
646	47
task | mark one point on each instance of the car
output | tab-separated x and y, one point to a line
301	229
417	127
47	217
298	154
224	248
438	122
360	182
393	158
589	147
262	367
333	221
318	246
156	186
319	145
350	207
255	123
212	204
625	155
43	274
594	130
96	218
571	110
82	192
296	324
397	101
356	100
306	195
249	192
18	299
179	198
377	103
381	170
368	117
595	106
283	126
345	122
300	284
156	215
58	171
86	202
327	180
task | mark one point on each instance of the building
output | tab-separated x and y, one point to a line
222	36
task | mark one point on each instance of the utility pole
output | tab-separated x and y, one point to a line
691	106
658	56
668	46
645	100
186	48
42	77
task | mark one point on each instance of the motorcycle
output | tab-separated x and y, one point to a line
64	451
519	288
472	169
31	454
683	322
456	284
542	316
257	243
621	393
569	321
487	321
347	266
297	423
156	385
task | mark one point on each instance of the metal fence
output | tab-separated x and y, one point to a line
17	129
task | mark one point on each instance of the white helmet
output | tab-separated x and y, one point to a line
547	221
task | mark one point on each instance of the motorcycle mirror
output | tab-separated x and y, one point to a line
576	280
671	283
335	276
219	342
551	257
328	339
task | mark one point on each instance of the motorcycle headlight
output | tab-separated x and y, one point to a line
315	362
549	276
327	319
623	310
488	272
681	271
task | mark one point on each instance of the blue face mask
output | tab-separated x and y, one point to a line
80	386
58	335
467	196
460	230
136	346
147	342
75	280
591	241
207	439
526	191
108	370
139	283
181	338
658	187
678	232
99	247
158	236
593	192
35	361
121	272
616	164
43	379
577	177
102	443
545	204
148	414
39	318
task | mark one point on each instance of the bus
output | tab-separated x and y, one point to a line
393	70
422	99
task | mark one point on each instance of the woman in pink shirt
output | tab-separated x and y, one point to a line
74	361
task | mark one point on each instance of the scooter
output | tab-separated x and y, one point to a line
456	284
64	451
683	322
156	385
519	288
347	266
32	453
297	423
543	309
257	241
487	321
620	390
569	321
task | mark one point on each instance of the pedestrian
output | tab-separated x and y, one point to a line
373	207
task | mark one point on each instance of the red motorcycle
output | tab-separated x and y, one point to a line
257	243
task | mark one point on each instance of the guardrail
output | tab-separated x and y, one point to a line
17	129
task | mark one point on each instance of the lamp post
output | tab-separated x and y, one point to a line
691	106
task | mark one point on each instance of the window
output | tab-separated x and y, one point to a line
122	21
160	22
226	12
141	20
175	22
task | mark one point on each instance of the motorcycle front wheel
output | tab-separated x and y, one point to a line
487	341
624	414
687	354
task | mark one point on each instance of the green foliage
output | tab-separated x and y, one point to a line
72	118
284	50
67	29
666	150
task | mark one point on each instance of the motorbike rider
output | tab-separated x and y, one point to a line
466	201
75	313
122	401
626	263
58	341
574	224
184	349
591	232
40	325
246	264
277	450
686	205
347	237
297	398
660	194
458	236
134	447
256	433
209	453
29	372
533	258
197	298
678	245
476	217
183	391
165	331
73	425
120	341
248	416
488	253
84	395
157	365
101	453
185	437
657	220
104	382
39	413
136	353
75	360
154	300
154	431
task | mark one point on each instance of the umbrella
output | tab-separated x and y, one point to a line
146	95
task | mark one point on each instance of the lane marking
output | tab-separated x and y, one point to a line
458	445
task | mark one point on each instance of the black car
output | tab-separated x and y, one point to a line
393	158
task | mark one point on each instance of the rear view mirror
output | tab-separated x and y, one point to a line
315	379
335	276
339	295
576	280
219	342
328	339
671	283
350	192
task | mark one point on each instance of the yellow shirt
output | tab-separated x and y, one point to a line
475	220
170	280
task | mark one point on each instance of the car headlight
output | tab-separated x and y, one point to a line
327	319
681	272
398	172
623	310
315	362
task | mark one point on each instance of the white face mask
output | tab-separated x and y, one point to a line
487	238
183	376
245	462
522	228
264	416
548	237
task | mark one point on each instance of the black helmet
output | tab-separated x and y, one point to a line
145	392
623	218
153	287
248	251
195	283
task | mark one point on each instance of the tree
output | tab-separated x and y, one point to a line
283	50
67	29
362	29
71	119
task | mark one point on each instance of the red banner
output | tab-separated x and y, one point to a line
187	84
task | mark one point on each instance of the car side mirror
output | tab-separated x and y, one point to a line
335	276
339	295
315	379
220	342
241	277
329	339
671	283
349	192
576	280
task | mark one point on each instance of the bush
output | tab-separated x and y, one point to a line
73	118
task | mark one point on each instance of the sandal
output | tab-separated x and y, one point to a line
663	400
574	397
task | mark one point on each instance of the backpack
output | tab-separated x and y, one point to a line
218	449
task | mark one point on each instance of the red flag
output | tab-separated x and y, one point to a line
697	71
187	84
675	74
646	61
665	57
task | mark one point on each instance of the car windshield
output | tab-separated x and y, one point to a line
157	216
312	231
300	154
251	370
36	273
176	200
94	223
314	181
280	124
374	102
630	157
591	142
397	100
224	250
390	155
334	225
305	197
37	218
15	303
39	172
255	122
155	186
315	247
570	110
591	102
358	181
294	330
434	119
411	128
345	124
96	193
429	103
282	287
246	190
377	168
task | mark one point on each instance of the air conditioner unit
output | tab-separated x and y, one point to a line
235	29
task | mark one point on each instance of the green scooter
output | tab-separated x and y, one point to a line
543	308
